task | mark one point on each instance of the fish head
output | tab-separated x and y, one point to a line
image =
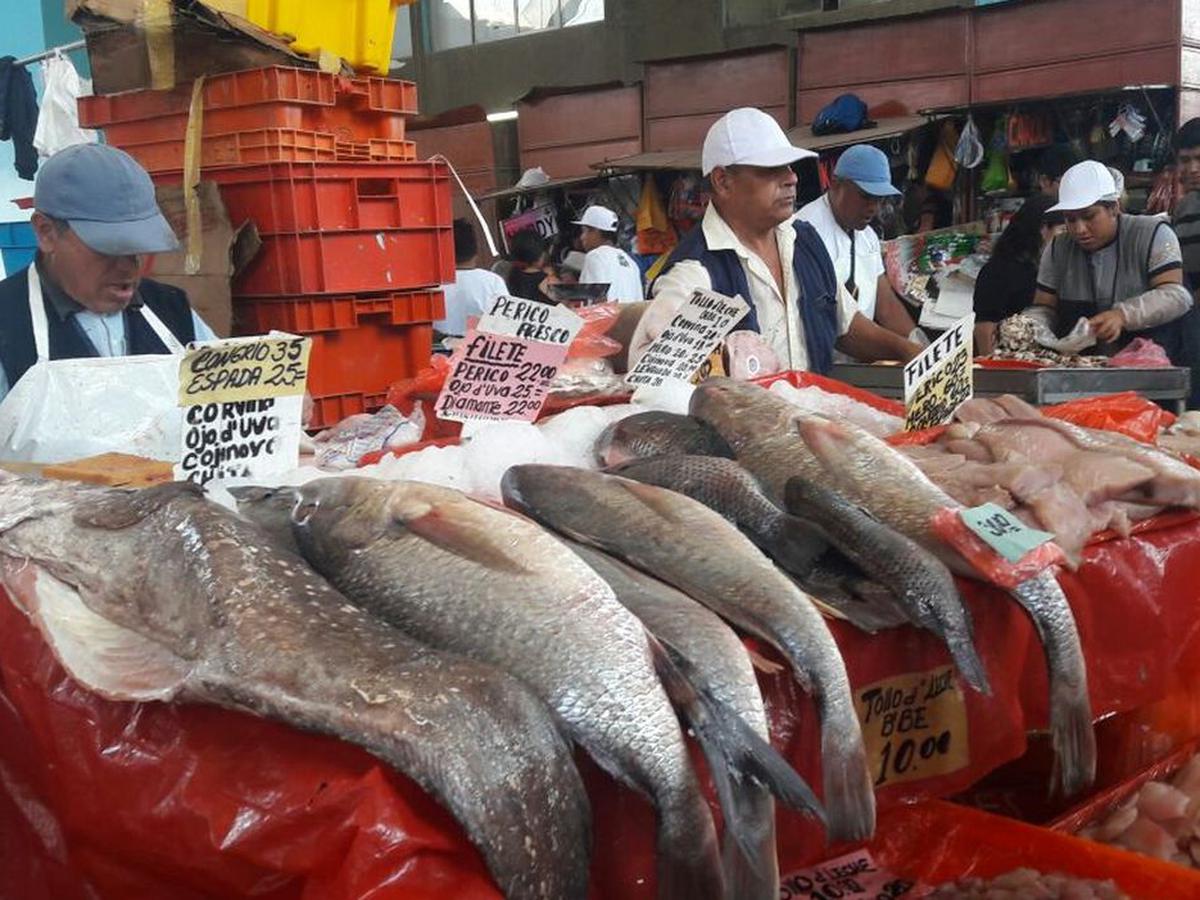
655	433
271	510
331	516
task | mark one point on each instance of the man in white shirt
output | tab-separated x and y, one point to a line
606	263
842	217
474	290
748	245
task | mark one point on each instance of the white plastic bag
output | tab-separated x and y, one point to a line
58	119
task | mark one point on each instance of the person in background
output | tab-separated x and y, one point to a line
1008	280
1186	221
606	263
926	209
842	217
748	245
97	224
1054	161
1123	273
474	290
528	252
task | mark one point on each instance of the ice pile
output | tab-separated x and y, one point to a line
838	406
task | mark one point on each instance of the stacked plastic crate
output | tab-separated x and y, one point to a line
356	232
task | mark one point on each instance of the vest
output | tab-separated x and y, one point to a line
1077	293
68	340
814	275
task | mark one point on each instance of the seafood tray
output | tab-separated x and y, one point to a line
1037	386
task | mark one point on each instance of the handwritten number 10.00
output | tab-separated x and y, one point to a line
898	759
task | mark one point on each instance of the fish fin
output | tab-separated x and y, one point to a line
114	510
970	666
1074	738
431	522
753	877
653	498
107	658
764	665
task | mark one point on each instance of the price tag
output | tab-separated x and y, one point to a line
940	378
542	322
540	219
914	726
699	326
854	875
497	377
1004	532
243	402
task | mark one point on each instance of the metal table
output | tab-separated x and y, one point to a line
1038	386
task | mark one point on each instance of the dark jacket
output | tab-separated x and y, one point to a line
18	115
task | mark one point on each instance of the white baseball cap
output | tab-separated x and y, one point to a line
748	137
599	217
1085	184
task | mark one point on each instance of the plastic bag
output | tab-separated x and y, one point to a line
968	153
1126	413
1141	353
344	445
58	120
592	340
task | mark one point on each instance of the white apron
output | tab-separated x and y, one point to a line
63	409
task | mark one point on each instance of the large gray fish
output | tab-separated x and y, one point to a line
655	433
718	666
891	487
686	544
463	576
798	547
920	581
161	595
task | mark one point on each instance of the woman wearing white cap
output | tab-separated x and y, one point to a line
1123	273
606	263
747	245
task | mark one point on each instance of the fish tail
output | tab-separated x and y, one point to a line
1073	736
689	864
849	795
959	636
752	874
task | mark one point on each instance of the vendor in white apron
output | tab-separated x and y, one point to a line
82	320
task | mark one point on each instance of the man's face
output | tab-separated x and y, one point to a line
853	207
589	238
1188	162
757	197
1092	228
102	284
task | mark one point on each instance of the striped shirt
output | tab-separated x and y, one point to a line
1187	229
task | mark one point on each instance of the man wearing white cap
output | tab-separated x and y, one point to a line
606	263
747	245
1123	273
843	216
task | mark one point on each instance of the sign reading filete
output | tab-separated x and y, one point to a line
940	378
505	365
243	401
684	345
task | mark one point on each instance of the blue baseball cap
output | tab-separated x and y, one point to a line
106	197
867	167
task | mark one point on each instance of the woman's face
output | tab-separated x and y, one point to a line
1092	228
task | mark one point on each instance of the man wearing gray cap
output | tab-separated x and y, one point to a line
97	223
747	245
843	216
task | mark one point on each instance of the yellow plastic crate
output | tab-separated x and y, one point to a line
359	31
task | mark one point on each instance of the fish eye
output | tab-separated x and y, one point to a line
304	510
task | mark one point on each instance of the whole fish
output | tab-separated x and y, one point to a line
655	433
695	549
798	547
920	581
161	595
760	427
718	666
891	487
473	579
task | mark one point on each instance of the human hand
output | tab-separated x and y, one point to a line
1108	325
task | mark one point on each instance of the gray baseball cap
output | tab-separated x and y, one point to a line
106	197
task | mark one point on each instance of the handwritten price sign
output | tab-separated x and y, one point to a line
246	369
914	726
854	875
1004	532
940	378
695	331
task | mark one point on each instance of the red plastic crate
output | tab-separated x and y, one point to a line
265	145
353	109
348	262
367	358
328	411
308	315
286	198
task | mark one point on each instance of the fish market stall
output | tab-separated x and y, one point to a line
152	798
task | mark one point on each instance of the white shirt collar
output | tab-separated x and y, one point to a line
719	236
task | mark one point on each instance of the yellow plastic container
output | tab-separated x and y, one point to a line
359	31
